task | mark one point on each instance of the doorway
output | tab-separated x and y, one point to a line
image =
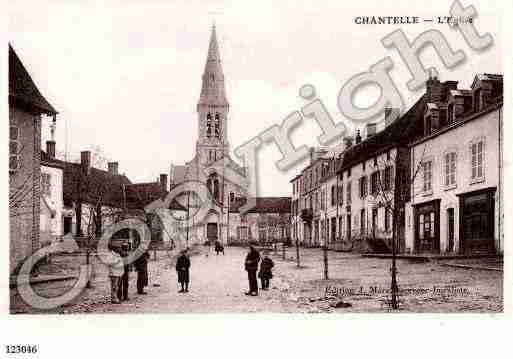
212	232
427	227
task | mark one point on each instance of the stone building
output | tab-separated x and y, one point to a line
433	177
212	165
27	108
52	202
267	222
457	201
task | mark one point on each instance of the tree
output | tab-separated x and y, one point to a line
390	185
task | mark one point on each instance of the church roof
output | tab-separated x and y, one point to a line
22	88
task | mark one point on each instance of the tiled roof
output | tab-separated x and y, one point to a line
138	195
22	88
96	185
399	132
264	205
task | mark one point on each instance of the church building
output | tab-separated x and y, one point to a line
212	166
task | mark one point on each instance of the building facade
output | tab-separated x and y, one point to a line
457	203
52	201
27	108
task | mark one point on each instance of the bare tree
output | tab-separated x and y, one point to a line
390	185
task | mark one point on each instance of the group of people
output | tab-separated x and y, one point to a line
253	259
251	266
119	272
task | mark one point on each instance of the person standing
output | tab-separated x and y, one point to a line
123	286
251	266
141	265
182	270
115	266
219	248
265	273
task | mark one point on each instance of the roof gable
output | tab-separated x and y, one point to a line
22	88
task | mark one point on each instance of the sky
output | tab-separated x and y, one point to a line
126	77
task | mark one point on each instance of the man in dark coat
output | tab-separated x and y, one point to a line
219	248
265	273
141	265
182	270
251	266
123	287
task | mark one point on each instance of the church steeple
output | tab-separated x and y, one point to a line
212	108
212	88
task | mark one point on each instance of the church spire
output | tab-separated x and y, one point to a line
212	88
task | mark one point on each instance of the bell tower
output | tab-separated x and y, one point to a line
212	108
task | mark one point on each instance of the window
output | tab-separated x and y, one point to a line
363	186
450	169
232	196
387	181
333	195
14	148
349	173
362	221
46	184
387	220
374	221
243	233
427	176
348	192
217	126
209	125
477	149
363	166
375	183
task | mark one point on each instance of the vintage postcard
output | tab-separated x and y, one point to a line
237	157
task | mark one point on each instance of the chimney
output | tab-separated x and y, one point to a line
50	149
85	159
371	129
113	168
358	137
312	151
163	181
391	114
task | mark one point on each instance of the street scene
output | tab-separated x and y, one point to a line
218	283
165	174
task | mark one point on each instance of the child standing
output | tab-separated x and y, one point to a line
266	273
